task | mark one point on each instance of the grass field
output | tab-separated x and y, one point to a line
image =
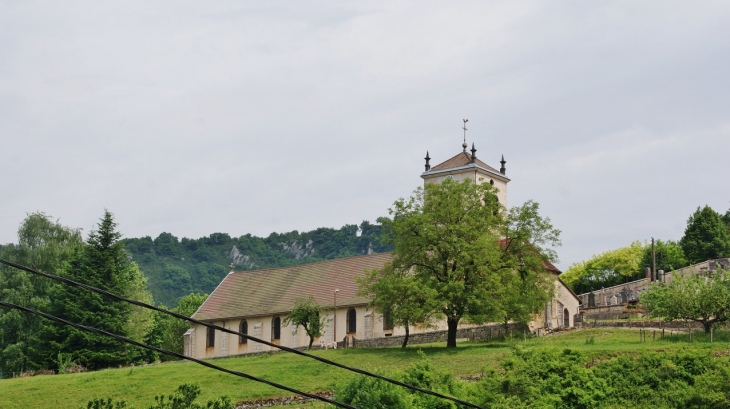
139	385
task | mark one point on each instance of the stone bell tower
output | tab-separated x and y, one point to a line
465	165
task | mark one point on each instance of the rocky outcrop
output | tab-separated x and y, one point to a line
239	259
297	250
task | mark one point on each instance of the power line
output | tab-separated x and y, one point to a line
175	354
249	337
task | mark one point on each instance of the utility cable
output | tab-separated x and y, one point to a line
175	354
230	331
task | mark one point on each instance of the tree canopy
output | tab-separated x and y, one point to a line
706	237
176	267
43	244
606	269
102	263
668	253
307	314
400	298
694	297
456	239
167	332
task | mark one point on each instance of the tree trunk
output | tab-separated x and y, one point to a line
453	324
405	339
708	326
311	341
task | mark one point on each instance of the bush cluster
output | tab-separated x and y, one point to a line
554	378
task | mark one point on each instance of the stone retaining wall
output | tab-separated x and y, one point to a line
482	332
678	325
607	312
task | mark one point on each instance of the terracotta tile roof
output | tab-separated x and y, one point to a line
272	291
462	159
551	268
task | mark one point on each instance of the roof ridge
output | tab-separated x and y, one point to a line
310	263
459	160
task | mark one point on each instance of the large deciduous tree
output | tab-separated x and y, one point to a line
706	236
668	254
399	297
43	244
307	313
606	269
168	332
101	263
694	297
455	239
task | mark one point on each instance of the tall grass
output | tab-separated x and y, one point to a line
139	385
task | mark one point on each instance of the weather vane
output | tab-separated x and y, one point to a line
463	145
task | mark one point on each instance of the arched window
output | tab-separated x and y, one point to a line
387	321
351	321
210	339
276	328
566	318
243	329
491	182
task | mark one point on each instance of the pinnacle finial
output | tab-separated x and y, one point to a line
502	170
473	153
428	165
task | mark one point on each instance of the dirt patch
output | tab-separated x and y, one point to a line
280	401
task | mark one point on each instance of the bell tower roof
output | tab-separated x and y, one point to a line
465	166
463	161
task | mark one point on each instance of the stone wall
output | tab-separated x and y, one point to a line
673	325
482	332
622	294
606	312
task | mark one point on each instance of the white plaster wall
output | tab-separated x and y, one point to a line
570	302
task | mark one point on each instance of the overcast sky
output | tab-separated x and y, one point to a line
254	117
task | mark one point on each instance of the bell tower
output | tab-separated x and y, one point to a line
466	165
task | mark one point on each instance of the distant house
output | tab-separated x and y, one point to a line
256	302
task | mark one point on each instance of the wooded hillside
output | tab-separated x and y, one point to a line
176	267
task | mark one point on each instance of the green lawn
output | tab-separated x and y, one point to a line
139	385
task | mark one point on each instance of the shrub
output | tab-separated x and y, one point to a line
183	398
372	393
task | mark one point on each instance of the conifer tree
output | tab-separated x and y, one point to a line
706	236
101	263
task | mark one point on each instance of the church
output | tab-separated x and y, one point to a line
256	302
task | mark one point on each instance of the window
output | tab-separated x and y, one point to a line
243	329
210	339
387	321
491	182
276	328
351	321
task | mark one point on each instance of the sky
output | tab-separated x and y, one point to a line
259	117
